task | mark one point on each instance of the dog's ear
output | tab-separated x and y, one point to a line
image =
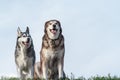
59	23
19	31
27	29
46	24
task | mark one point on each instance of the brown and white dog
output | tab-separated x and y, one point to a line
37	71
52	53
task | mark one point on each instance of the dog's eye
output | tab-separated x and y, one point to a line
50	23
24	36
56	23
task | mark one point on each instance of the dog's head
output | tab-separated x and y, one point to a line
24	38
53	29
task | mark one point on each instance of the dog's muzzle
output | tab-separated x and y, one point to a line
54	30
27	42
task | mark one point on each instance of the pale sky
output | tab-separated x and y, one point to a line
91	29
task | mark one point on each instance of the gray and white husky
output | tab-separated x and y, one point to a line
24	54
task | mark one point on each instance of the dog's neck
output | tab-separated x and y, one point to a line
24	49
53	39
26	52
53	43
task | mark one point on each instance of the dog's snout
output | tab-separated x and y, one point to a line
28	40
54	26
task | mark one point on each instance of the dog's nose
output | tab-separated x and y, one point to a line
28	39
54	26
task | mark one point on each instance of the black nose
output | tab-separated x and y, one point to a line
54	26
28	40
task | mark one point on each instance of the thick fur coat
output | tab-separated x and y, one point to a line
24	55
52	52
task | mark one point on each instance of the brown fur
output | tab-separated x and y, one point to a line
52	55
37	71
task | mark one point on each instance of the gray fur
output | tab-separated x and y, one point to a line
24	56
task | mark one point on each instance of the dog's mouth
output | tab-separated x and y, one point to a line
27	42
54	31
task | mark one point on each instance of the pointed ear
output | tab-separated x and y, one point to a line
60	26
27	29
46	24
19	31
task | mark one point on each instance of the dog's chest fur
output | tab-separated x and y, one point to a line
22	58
52	55
52	52
53	48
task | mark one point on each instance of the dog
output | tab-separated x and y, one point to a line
52	52
37	75
24	54
37	71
